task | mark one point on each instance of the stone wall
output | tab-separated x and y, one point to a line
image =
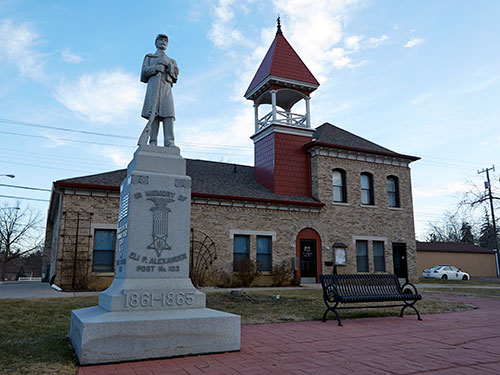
81	213
346	222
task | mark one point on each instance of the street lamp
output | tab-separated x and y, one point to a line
8	175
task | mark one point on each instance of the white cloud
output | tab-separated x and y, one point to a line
223	32
119	157
414	42
352	42
70	57
375	42
357	42
105	96
18	46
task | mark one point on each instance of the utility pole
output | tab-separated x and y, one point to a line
487	171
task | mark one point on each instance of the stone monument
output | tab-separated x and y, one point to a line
152	310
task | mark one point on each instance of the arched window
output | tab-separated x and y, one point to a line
339	186
367	196
393	191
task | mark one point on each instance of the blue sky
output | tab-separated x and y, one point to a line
418	77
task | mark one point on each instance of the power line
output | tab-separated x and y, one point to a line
14	122
24	187
24	198
44	166
65	139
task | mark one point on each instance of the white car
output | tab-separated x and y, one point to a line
446	272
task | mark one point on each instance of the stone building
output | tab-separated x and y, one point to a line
315	198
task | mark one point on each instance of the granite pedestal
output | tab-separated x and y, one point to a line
152	310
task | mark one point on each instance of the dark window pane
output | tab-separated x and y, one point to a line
339	187
366	189
392	191
104	239
104	250
365	182
241	250
378	256
264	252
362	256
103	261
264	244
241	244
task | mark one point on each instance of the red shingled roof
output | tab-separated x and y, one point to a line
281	60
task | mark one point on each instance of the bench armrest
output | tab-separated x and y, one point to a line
330	293
409	288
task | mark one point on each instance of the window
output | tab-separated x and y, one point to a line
393	191
104	250
241	250
362	255
339	186
378	256
367	189
264	252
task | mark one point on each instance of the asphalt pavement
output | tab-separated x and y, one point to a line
34	289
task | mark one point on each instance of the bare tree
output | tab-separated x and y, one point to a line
447	229
18	233
478	195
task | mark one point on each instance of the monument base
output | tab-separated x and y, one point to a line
100	336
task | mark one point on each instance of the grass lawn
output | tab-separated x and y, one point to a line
34	332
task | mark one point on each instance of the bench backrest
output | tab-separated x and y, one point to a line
363	284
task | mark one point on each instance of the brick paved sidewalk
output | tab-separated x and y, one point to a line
457	343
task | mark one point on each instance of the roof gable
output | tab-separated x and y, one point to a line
282	61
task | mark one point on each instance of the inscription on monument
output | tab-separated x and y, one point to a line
163	299
141	180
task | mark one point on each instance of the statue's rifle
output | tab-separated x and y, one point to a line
143	139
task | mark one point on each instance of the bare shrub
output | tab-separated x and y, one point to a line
248	270
282	274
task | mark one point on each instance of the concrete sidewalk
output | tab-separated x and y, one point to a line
457	343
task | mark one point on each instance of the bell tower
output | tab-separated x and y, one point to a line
282	82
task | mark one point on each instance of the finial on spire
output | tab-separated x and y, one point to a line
279	26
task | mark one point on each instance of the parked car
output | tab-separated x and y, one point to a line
446	272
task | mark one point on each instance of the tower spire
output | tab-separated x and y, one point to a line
279	26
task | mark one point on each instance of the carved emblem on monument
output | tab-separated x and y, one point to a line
160	224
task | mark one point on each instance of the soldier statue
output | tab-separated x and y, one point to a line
160	72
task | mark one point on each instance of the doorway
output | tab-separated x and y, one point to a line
400	261
308	261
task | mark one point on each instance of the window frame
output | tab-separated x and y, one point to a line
268	255
242	254
370	189
112	251
378	259
342	186
365	256
395	193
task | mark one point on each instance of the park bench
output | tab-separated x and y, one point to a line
362	288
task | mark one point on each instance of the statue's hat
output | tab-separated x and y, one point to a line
163	36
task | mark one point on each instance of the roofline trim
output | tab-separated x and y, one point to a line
201	195
253	199
86	186
395	154
270	77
